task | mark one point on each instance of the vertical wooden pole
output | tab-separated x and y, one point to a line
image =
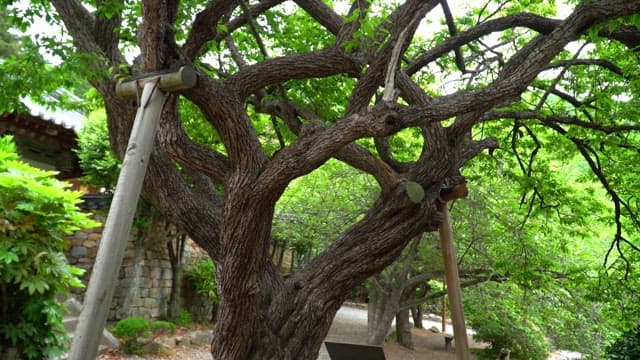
453	285
117	226
444	308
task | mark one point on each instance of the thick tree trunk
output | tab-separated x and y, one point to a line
403	329
263	315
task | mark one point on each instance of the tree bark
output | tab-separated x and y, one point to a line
403	329
417	314
175	248
380	313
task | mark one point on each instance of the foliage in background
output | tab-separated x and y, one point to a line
37	212
25	72
9	43
504	324
547	262
626	347
202	275
100	167
314	209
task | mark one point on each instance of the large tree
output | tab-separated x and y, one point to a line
319	75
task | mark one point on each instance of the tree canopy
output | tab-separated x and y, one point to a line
408	92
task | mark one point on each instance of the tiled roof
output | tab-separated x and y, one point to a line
67	118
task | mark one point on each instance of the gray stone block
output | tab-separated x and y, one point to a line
79	251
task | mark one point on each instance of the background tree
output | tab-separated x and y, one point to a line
9	42
100	167
320	73
24	70
314	208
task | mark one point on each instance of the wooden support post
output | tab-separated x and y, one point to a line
453	285
444	308
123	206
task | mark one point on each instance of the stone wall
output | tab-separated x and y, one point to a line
144	282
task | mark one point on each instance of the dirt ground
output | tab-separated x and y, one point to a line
349	326
428	345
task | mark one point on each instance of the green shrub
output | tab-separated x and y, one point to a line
162	328
626	347
37	212
202	275
129	331
506	330
131	328
184	319
137	334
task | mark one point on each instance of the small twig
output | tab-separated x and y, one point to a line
556	80
254	29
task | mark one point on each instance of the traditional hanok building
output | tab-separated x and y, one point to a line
45	138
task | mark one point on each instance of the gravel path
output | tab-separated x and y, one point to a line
349	326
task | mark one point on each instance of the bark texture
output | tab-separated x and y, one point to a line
403	329
263	314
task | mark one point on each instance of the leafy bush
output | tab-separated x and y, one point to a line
505	331
37	211
162	328
502	322
131	328
137	334
626	347
202	275
184	319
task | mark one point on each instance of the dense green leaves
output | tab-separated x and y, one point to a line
315	209
37	212
626	347
201	275
99	165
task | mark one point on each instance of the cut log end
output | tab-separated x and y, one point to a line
183	78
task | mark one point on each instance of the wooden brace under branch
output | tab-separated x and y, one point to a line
170	80
125	199
451	268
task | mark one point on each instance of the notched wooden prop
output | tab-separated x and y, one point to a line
125	199
454	188
170	80
454	192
